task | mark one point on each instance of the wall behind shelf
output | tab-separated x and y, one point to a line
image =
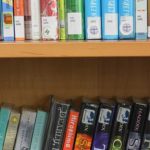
31	81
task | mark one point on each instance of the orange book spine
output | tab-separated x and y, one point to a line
19	19
71	130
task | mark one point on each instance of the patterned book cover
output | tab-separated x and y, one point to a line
8	20
71	130
25	130
56	125
148	18
137	126
35	20
4	118
86	126
75	19
49	13
39	131
12	130
19	20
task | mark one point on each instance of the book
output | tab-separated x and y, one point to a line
56	124
148	18
103	128
35	20
1	22
93	19
71	130
62	19
146	138
141	19
8	20
4	118
12	130
27	19
49	14
127	19
25	131
110	19
136	126
75	19
86	126
19	20
120	127
39	131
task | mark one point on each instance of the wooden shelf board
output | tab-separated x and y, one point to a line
42	49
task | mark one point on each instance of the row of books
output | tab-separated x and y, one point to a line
74	19
107	125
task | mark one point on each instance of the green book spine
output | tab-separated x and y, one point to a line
62	20
75	19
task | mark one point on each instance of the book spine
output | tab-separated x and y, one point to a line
11	130
49	13
27	19
35	20
110	19
56	131
1	22
25	131
62	20
148	18
127	19
4	118
75	21
136	127
71	130
141	19
146	138
39	131
120	128
93	19
8	20
19	20
86	126
103	127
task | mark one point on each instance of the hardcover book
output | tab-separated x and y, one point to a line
86	126
1	22
49	13
148	18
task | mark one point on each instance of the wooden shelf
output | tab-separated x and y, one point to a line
41	49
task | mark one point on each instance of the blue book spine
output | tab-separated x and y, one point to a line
127	19
39	130
110	19
8	20
1	20
93	19
4	118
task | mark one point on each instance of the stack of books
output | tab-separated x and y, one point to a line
74	19
100	125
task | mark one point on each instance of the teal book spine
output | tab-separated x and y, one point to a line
4	118
39	131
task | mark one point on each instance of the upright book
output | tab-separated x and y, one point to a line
86	126
12	130
136	127
4	118
56	125
75	19
8	20
93	19
35	20
104	126
19	20
49	14
110	19
25	130
141	19
127	19
1	30
148	18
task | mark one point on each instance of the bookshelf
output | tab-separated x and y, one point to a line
39	49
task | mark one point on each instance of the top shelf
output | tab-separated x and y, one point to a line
60	49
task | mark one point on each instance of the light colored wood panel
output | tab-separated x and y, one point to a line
31	81
62	49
